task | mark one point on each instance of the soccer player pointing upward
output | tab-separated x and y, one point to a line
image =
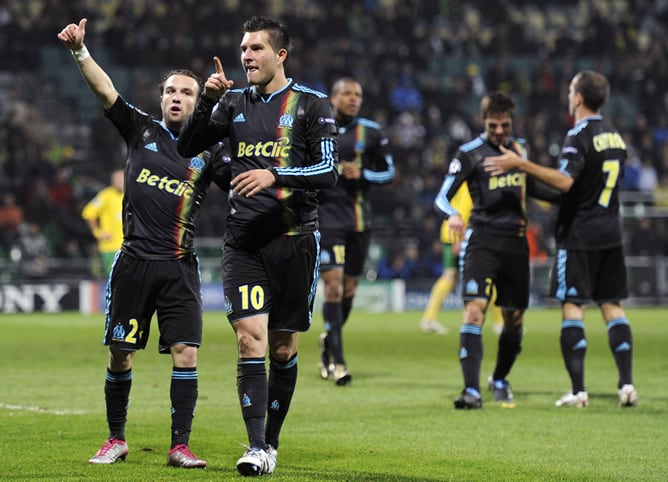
283	145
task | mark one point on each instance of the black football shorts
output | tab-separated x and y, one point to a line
138	288
581	276
278	279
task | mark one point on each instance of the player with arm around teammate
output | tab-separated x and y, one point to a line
589	263
156	269
283	146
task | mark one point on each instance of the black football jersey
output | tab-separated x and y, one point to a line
499	202
345	207
593	154
163	190
292	132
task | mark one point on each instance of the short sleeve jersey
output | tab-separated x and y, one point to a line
499	202
593	154
345	208
163	190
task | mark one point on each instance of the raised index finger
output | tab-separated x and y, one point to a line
219	65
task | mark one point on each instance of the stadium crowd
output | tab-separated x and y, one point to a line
424	67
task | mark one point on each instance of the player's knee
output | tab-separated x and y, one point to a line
184	355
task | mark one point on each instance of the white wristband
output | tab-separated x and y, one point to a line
81	53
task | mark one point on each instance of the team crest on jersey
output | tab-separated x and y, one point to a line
455	166
118	333
197	163
286	120
325	257
471	287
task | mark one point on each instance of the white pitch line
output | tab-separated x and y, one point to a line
25	408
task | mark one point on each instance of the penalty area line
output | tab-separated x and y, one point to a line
26	408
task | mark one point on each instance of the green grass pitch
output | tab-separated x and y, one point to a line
395	422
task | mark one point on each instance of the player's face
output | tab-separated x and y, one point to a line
573	98
259	59
179	96
348	99
498	128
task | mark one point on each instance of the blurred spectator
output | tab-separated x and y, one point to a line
424	64
34	251
645	241
401	263
11	217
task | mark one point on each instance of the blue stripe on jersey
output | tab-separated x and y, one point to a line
164	127
470	145
380	176
562	256
316	274
441	202
368	123
303	88
326	165
462	251
582	123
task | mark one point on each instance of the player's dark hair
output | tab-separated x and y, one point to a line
279	37
496	103
593	87
186	72
341	81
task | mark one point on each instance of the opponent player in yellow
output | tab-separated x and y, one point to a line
104	215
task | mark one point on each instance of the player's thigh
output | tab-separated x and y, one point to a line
571	276
333	251
179	303
611	283
130	303
357	247
292	268
513	281
480	268
246	283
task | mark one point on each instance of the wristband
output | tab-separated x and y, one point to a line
80	54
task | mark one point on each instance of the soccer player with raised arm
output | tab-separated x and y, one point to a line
156	269
283	145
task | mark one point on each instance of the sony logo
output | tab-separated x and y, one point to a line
27	298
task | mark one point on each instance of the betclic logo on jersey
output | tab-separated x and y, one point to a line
278	148
172	186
